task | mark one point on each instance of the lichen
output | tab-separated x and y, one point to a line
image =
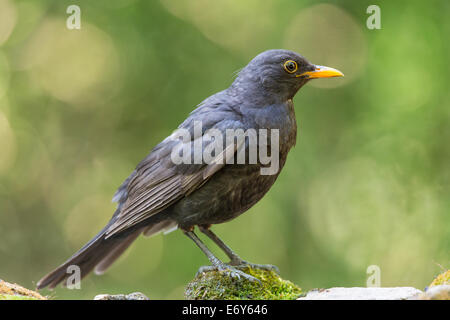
9	291
15	297
442	279
215	285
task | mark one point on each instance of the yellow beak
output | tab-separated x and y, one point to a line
322	72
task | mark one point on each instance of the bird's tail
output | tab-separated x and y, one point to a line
99	253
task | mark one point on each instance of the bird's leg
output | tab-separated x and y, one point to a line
235	260
216	263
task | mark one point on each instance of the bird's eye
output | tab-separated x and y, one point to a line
290	66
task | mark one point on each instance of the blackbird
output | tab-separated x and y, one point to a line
162	195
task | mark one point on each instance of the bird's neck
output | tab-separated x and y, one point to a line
256	93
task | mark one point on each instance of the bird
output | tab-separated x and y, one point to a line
161	195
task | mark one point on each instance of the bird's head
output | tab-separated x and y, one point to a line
278	75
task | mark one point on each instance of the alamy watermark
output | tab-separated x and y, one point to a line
74	20
374	276
374	20
214	147
74	280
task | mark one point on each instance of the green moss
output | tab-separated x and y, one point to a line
443	278
214	285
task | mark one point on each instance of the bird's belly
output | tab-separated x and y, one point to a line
232	191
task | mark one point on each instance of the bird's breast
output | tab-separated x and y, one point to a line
280	117
237	187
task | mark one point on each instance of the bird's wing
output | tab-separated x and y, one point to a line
158	182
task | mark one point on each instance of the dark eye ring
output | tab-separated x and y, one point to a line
290	66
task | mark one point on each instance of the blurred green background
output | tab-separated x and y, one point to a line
368	182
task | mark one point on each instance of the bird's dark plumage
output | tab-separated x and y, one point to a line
160	195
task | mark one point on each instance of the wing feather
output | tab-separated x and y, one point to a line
159	183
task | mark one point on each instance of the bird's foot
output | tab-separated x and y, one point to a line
228	270
240	264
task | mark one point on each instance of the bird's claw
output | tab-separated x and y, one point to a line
238	274
204	269
244	264
228	270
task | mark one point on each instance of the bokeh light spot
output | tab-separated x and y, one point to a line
329	36
76	66
359	204
86	219
4	74
227	23
8	18
411	76
7	144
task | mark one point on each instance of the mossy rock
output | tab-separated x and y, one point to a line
10	291
442	279
15	297
215	285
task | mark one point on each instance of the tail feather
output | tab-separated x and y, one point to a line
99	253
86	259
115	253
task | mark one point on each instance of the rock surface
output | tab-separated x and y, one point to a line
131	296
439	292
361	293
